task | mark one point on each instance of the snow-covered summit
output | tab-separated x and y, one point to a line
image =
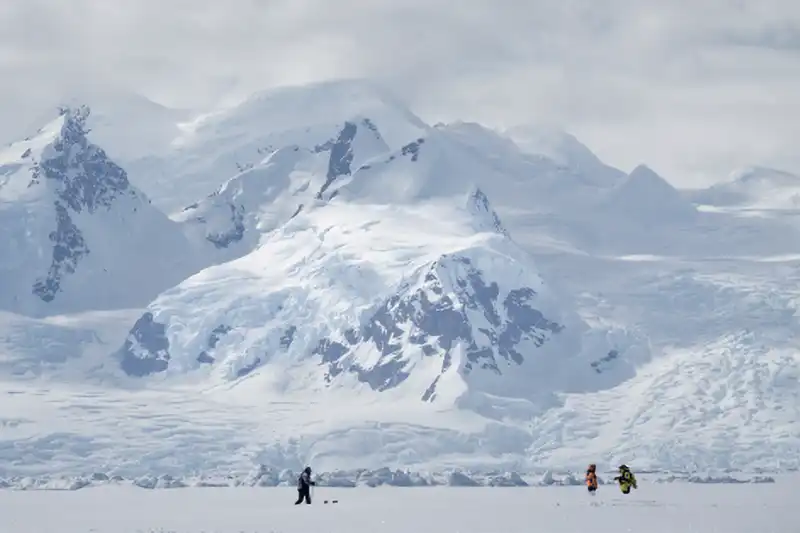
291	178
753	188
566	151
77	234
646	198
217	145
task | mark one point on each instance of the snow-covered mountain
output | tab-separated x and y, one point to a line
568	153
386	293
429	299
646	198
288	180
76	234
219	144
756	188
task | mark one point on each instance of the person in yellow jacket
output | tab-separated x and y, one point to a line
626	479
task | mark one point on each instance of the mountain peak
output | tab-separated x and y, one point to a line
86	177
566	151
221	143
648	198
552	143
75	201
643	172
485	217
754	188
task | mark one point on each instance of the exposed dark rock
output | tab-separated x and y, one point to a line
146	350
232	235
248	368
412	149
437	322
480	206
288	337
600	364
86	180
213	339
69	247
341	156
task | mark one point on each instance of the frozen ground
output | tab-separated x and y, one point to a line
658	508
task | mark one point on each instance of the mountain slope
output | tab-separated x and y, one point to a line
648	199
79	236
219	144
265	196
753	188
406	300
566	152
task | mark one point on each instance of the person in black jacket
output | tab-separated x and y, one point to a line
304	485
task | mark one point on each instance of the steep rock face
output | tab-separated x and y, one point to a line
470	319
71	208
85	180
484	216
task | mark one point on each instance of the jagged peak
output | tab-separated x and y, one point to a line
485	217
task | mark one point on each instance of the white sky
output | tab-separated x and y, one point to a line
693	88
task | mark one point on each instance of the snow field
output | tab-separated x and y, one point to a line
669	508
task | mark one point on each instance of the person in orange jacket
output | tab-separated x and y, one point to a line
591	478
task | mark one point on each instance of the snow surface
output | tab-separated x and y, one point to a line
753	189
659	508
349	287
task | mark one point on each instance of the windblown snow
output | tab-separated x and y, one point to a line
341	284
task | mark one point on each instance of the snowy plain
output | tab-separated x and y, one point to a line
655	508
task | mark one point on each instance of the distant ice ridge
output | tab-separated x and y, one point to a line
263	476
753	188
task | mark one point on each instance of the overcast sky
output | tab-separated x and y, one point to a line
694	88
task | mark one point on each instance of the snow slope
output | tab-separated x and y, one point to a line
657	508
265	196
407	299
216	145
563	149
754	188
645	198
77	235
